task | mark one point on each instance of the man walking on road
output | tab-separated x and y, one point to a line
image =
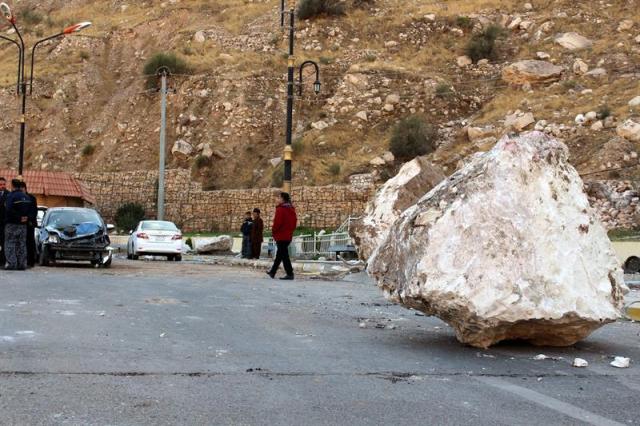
3	199
257	232
15	231
284	225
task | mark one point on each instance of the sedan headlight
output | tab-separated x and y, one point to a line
53	239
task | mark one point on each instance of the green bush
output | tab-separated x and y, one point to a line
443	90
413	137
277	177
88	150
128	216
170	60
312	8
30	17
464	22
84	55
201	162
334	169
483	44
604	111
298	146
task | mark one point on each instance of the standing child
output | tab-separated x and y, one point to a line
246	228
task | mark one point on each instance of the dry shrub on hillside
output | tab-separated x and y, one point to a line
311	8
483	44
413	137
170	60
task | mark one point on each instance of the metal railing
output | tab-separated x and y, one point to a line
314	246
346	225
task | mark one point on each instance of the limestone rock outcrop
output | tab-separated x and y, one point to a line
573	41
413	180
507	248
532	72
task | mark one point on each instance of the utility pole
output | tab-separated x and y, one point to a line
288	151
163	73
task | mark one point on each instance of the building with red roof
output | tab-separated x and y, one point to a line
54	189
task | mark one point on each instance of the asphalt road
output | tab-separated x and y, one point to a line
165	343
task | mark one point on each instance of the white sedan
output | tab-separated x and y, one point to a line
155	238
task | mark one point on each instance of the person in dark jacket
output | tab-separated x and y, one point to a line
3	199
246	228
257	232
15	231
284	225
31	227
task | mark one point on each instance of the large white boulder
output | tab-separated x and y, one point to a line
413	180
506	248
213	245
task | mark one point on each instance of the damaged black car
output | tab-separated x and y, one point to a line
74	234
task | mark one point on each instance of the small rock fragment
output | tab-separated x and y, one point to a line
580	363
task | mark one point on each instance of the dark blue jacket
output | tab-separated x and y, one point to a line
246	227
18	206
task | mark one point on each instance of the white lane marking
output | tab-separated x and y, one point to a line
7	339
551	403
25	333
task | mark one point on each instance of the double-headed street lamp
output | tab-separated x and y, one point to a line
6	12
288	151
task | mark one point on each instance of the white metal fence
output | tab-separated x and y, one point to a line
313	246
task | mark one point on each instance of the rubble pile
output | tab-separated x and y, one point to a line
506	248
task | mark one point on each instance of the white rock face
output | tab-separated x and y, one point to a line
506	248
629	130
221	244
573	41
414	179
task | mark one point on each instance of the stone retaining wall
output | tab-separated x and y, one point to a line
193	209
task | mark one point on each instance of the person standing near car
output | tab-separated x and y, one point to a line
32	224
257	232
3	198
246	228
15	231
284	225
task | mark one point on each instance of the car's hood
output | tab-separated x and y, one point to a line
82	230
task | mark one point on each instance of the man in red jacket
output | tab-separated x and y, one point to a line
284	224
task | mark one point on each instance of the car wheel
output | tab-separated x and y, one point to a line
632	265
107	264
43	259
178	258
171	258
135	257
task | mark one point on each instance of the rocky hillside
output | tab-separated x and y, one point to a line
564	67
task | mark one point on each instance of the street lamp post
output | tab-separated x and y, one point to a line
6	12
288	150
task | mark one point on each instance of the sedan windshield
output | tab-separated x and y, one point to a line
158	226
65	218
